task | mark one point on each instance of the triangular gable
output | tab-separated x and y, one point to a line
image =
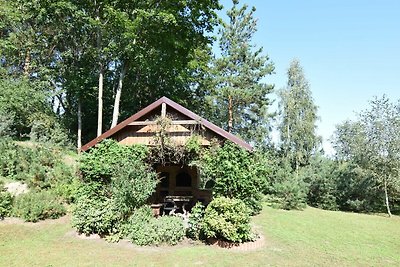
212	127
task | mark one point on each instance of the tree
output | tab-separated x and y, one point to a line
298	116
21	100
373	143
76	48
238	98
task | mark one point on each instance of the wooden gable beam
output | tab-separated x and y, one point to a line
177	122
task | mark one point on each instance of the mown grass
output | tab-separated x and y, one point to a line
293	238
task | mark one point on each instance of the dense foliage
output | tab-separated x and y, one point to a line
372	145
25	112
286	189
132	184
116	181
34	206
82	52
194	230
227	219
99	163
40	166
93	212
5	202
321	176
235	173
144	230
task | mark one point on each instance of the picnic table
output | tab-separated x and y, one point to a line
174	203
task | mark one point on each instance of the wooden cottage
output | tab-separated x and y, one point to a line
177	181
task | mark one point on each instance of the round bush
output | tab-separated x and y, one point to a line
145	230
227	219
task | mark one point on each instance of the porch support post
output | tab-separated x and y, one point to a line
163	110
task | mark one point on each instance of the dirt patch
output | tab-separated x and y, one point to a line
74	233
70	160
12	220
16	188
124	243
247	246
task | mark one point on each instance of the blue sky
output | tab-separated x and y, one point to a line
350	51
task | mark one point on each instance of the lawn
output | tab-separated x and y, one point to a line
311	237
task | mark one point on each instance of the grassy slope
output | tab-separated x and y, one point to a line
311	237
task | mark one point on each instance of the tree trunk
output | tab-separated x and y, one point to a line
387	198
287	139
100	102
79	141
101	78
230	114
118	97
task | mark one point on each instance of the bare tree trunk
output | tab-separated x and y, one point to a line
287	140
100	102
118	96
101	78
79	141
230	114
387	198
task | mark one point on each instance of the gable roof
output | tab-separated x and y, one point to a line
212	127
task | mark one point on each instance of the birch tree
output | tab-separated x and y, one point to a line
374	145
298	117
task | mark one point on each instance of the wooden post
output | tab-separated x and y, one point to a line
163	110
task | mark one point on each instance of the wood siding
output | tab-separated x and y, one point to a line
177	134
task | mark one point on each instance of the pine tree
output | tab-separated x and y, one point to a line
298	118
238	99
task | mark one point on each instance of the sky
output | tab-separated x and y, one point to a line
349	50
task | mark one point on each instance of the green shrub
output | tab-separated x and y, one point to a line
132	184
227	219
6	124
287	190
35	206
170	229
139	227
144	230
5	202
93	212
237	174
23	98
357	190
195	222
46	129
291	194
99	163
41	167
67	190
320	175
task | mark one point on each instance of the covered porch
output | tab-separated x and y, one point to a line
178	190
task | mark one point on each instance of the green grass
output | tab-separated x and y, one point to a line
293	238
